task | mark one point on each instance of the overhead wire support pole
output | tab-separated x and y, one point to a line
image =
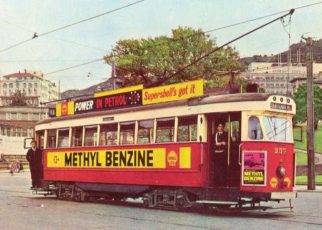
227	43
310	117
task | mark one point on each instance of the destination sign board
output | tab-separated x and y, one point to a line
281	106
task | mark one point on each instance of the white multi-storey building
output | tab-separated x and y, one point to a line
21	98
276	78
16	124
32	85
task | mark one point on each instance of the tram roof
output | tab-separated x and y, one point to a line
206	99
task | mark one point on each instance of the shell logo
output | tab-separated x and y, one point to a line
273	182
287	181
172	158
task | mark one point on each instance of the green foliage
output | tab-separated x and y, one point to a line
302	144
301	103
301	158
151	61
302	180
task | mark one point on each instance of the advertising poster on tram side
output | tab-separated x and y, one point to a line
254	168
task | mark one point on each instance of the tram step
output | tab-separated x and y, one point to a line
216	202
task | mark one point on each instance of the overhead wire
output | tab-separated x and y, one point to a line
235	24
36	35
53	37
262	17
74	66
220	47
96	60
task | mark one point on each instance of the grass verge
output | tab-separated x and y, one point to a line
302	180
302	144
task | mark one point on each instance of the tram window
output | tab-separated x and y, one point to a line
278	129
40	137
165	130
63	138
108	134
77	133
235	132
127	133
145	131
187	128
254	129
90	136
51	138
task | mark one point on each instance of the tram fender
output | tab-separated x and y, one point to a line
283	195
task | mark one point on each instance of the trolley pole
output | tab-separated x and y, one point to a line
113	74
310	116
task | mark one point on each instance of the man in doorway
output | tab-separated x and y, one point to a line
220	140
34	157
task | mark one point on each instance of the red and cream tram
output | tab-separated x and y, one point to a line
155	144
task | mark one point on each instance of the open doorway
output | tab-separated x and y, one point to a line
224	131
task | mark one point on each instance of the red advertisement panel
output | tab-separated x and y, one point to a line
254	168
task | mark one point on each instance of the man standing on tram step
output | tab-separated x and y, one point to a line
34	157
220	140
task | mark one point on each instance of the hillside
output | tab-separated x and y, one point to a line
295	48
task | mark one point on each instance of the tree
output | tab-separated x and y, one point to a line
152	61
301	104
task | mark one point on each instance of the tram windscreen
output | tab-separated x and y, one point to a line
278	129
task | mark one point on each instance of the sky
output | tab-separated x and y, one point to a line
90	40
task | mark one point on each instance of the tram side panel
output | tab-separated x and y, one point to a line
267	167
183	165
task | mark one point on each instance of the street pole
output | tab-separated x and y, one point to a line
113	74
310	117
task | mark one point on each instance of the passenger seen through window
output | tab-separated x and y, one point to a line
90	136
165	130
254	128
127	133
187	128
63	138
108	134
51	138
77	135
145	131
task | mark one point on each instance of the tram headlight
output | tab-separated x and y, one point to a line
280	172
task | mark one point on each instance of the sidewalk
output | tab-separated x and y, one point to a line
8	171
303	188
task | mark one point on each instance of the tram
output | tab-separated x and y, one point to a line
157	145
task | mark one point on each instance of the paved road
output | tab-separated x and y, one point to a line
19	209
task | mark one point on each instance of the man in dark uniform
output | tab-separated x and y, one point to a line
34	157
220	140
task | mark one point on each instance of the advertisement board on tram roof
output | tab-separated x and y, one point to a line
129	97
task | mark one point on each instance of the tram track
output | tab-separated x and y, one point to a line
22	201
284	216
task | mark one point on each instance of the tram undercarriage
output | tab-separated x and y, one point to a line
172	198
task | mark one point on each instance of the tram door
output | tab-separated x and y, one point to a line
225	171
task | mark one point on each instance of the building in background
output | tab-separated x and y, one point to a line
296	82
277	78
22	98
16	124
32	85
